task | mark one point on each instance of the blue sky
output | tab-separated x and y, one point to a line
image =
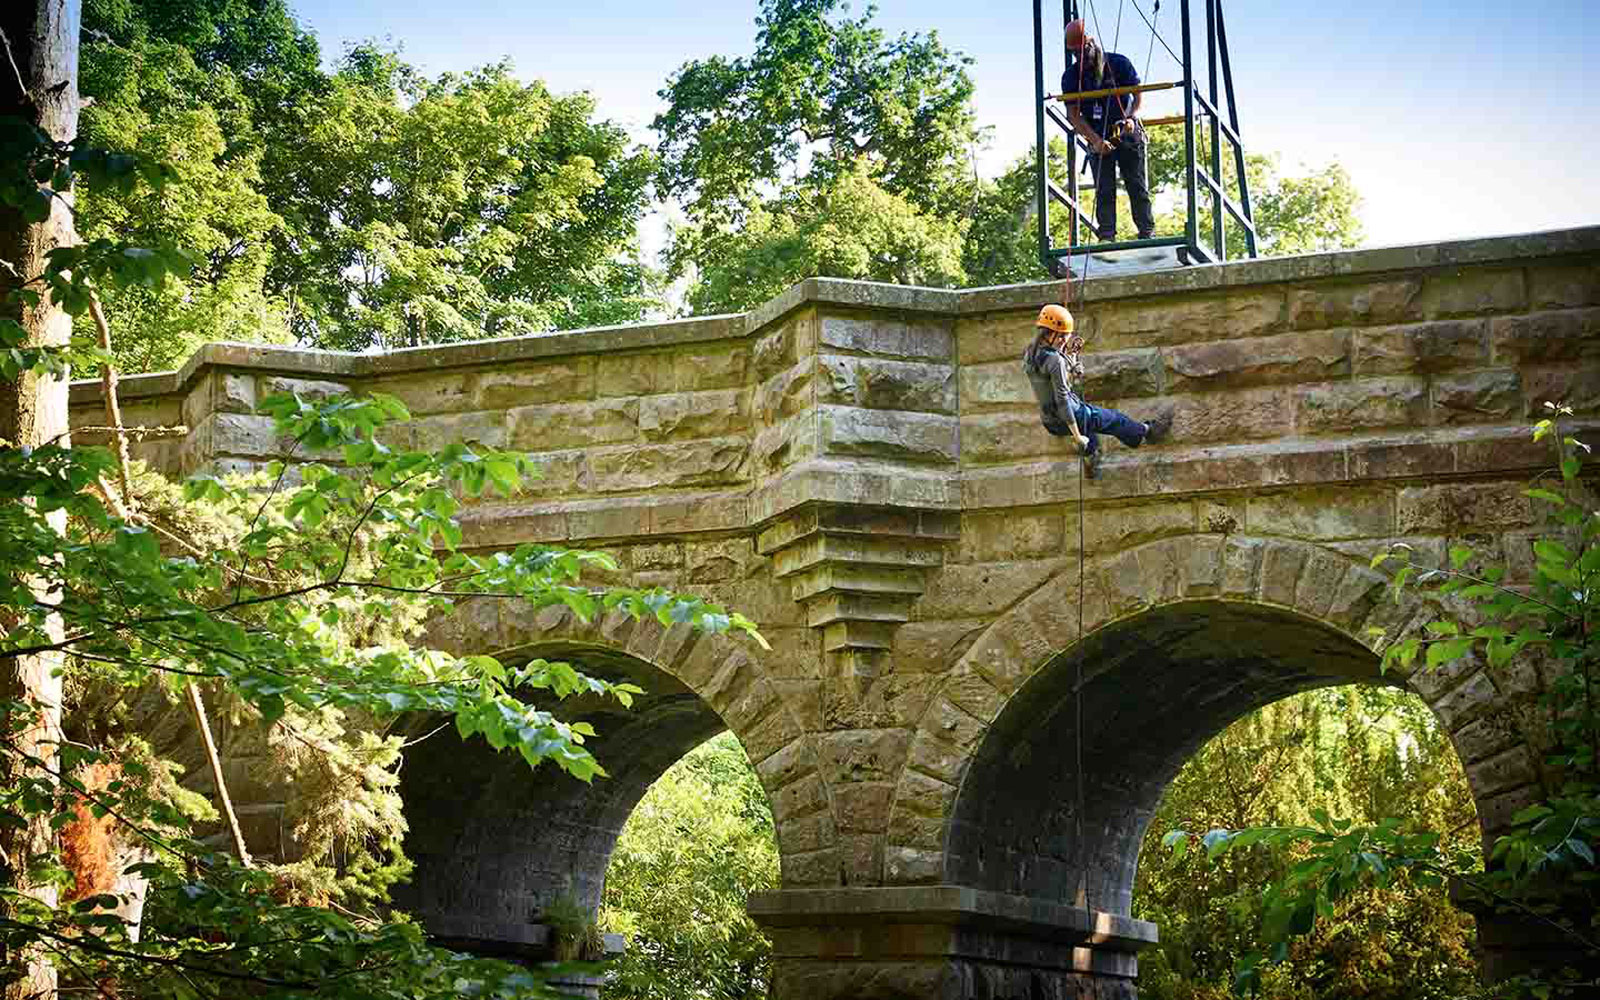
1454	119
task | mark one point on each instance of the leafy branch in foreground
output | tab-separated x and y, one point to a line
1544	868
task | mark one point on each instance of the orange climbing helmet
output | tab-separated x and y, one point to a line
1057	318
1075	35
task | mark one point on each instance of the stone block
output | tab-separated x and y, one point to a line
1122	374
886	385
799	798
1363	304
429	392
1358	592
912	866
1291	357
974	591
633	374
916	339
573	425
1478	396
725	368
924	795
712	462
561	473
1002	336
862	755
236	393
1364	404
1001	383
1109	529
1323	514
1203	565
785	394
974	695
1473	292
1544	337
775	349
1002	437
1006	656
907	437
862	807
1281	566
1216	417
1393	458
1466	701
1422	347
809	833
1275	464
1563	286
1008	535
552	382
1319	582
433	432
1447	509
1241	566
1577	387
687	415
1243	313
311	390
1504	771
1485	738
932	647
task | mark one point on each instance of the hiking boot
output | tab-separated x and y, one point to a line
1091	465
1157	430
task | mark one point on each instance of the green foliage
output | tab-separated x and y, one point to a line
849	227
699	842
1365	752
1544	869
306	612
828	115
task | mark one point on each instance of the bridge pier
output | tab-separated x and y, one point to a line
945	942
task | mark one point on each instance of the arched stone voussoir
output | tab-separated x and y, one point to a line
1328	587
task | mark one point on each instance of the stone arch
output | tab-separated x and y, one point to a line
1264	598
493	842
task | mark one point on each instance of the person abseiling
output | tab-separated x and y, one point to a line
1053	366
1111	128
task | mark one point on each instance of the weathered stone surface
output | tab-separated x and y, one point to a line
712	462
305	388
1473	292
1108	530
786	393
914	339
1424	347
710	369
983	589
903	437
1545	336
1478	396
886	385
1578	388
1323	515
1364	404
573	425
987	537
1121	374
686	415
1242	314
1564	286
547	383
1237	416
1000	383
433	432
1292	357
1448	509
1000	437
1361	304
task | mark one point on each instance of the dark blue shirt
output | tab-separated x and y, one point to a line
1120	71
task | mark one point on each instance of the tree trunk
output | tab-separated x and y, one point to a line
39	84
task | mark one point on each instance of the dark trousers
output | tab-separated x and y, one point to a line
1094	421
1129	156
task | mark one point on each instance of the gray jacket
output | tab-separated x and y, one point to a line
1051	374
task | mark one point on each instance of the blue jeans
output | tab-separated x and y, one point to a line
1094	421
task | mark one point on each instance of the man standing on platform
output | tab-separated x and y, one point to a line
1110	126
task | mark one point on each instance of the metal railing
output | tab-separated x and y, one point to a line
1200	111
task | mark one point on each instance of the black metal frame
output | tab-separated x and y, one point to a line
1195	104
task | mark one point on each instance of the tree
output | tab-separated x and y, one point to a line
822	98
38	99
846	226
699	842
1358	751
467	206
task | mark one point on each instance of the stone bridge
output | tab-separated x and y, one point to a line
861	469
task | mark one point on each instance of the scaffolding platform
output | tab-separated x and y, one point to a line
1121	263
